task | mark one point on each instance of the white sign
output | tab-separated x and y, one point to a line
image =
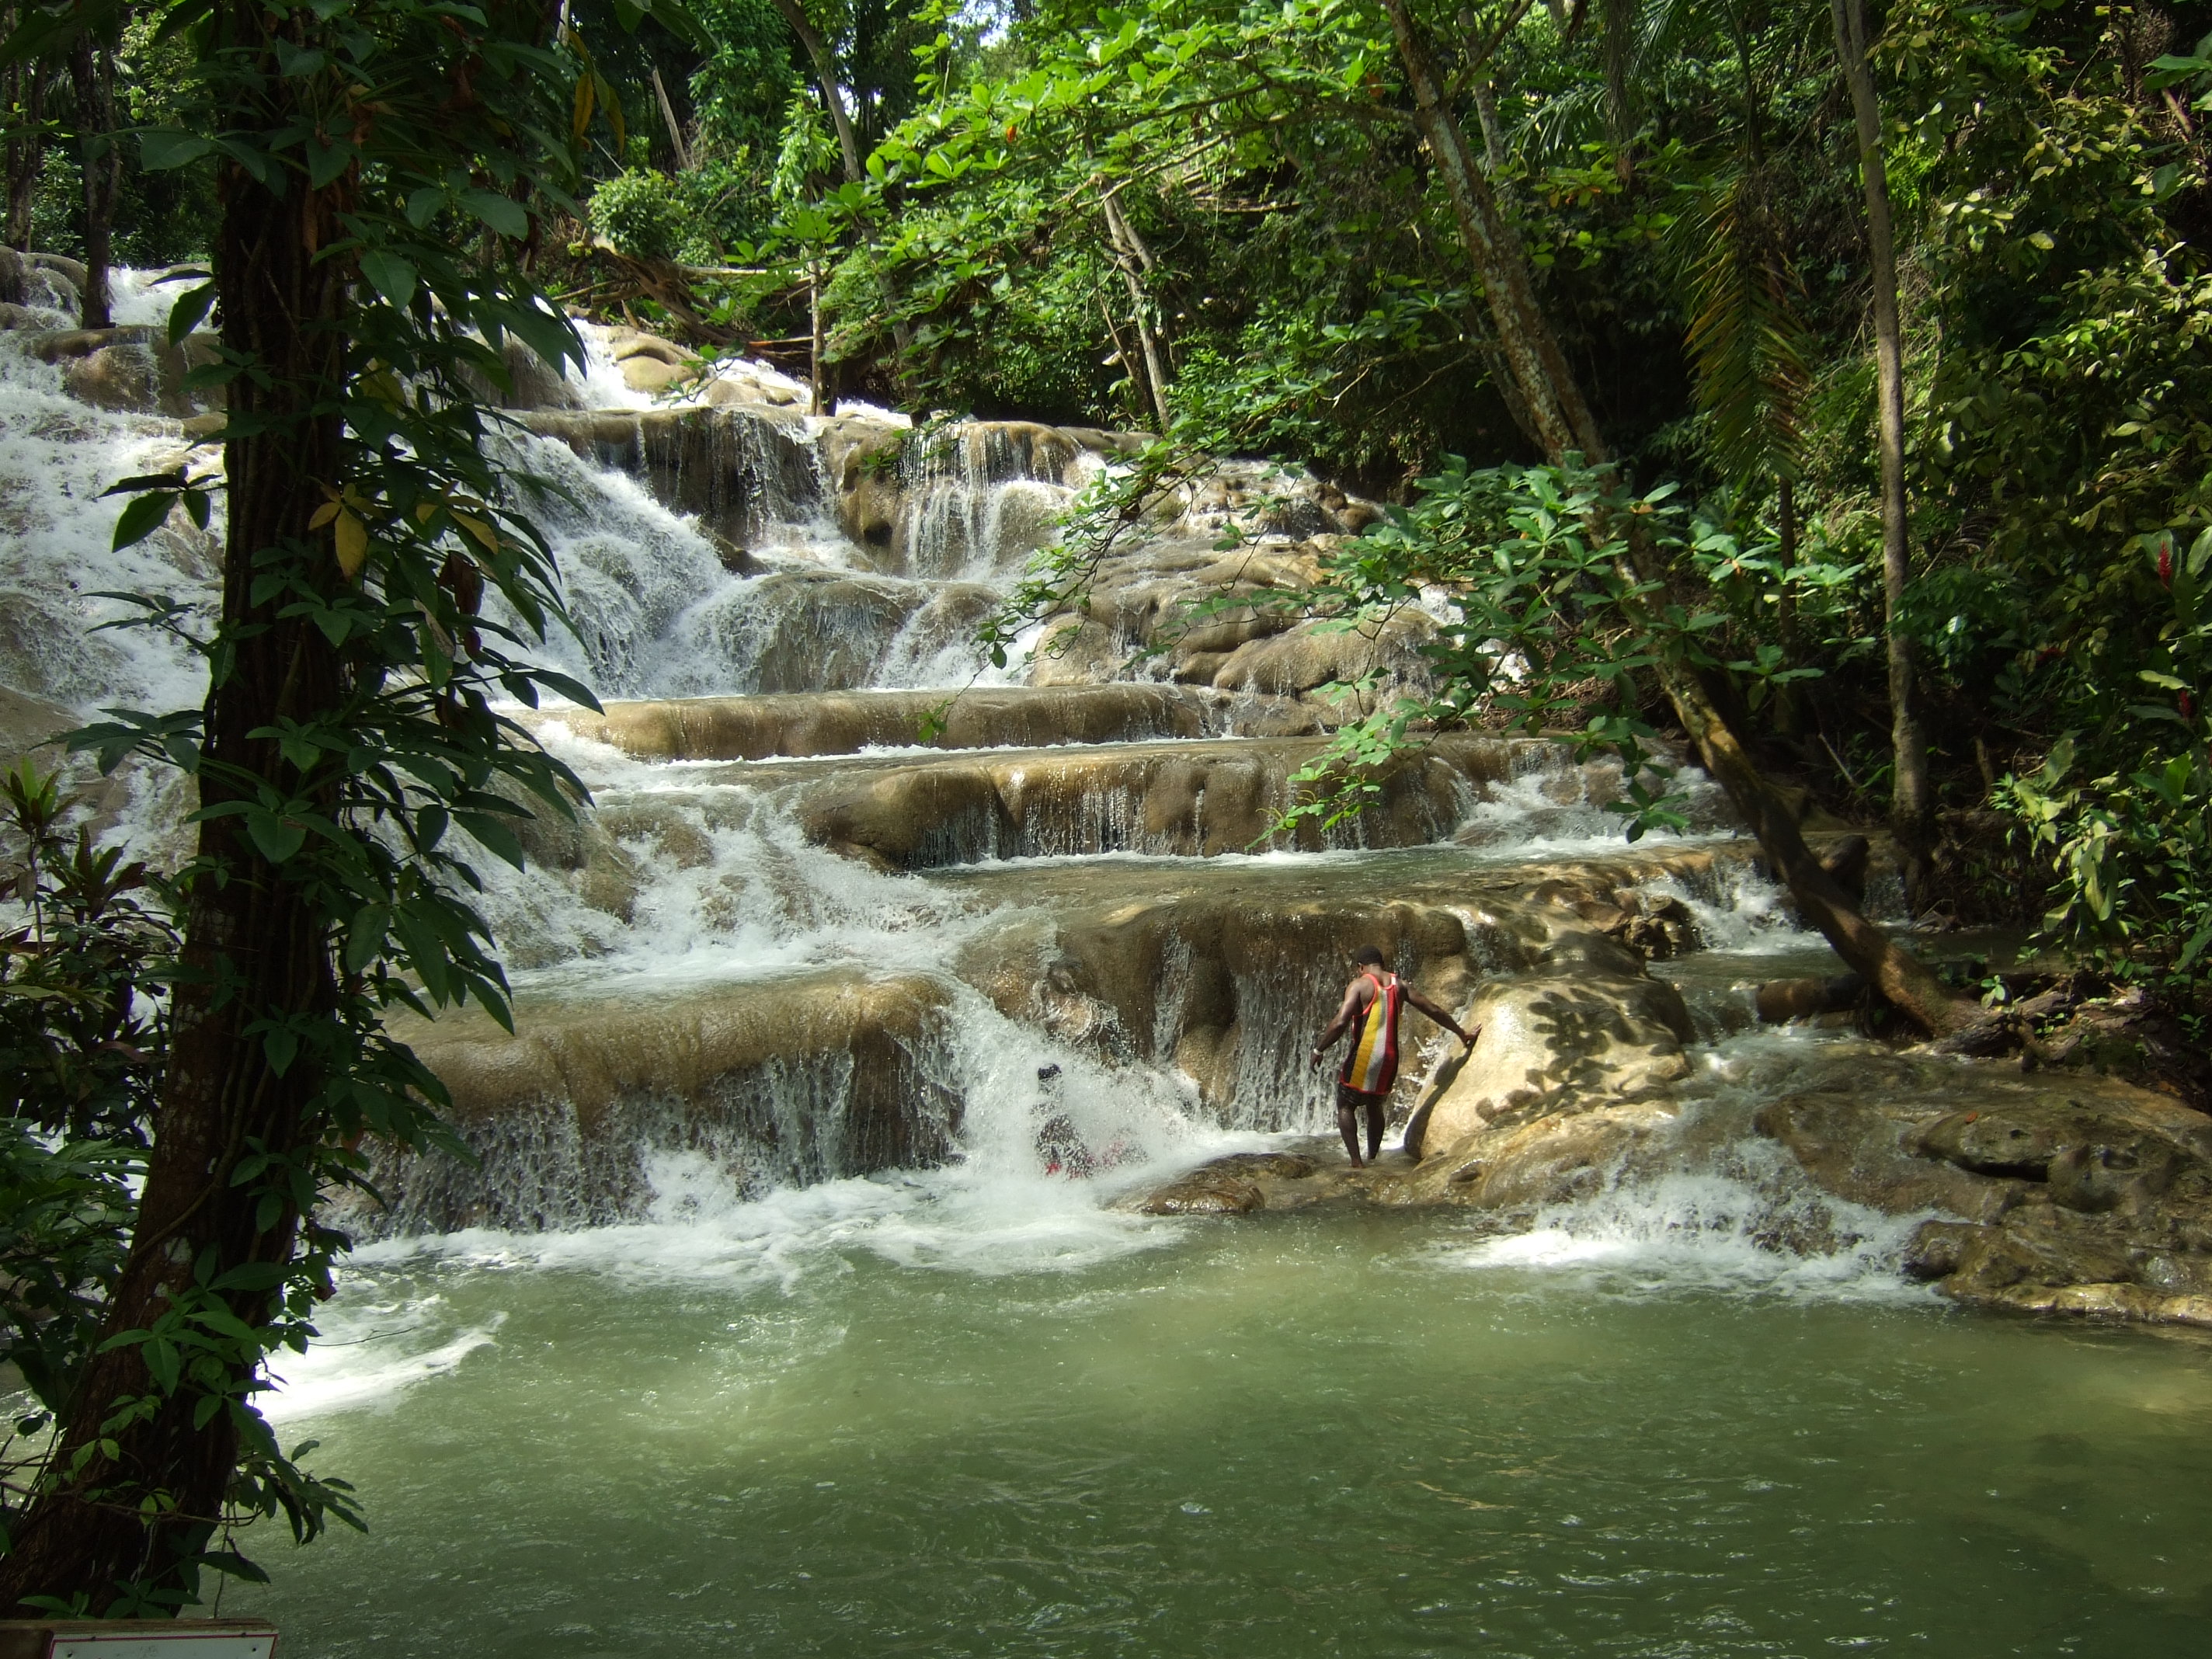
124	1642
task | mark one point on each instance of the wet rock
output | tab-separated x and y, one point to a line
132	370
1938	1248
1206	1194
1587	1027
27	724
915	816
742	470
1781	1000
45	649
1861	1146
1243	1183
2130	1034
2095	1202
532	383
626	345
70	271
2022	1137
1561	1156
1187	800
652	375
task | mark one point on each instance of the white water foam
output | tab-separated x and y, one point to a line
57	456
1709	1205
364	1356
1713	1232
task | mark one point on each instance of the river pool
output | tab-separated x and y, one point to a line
846	1424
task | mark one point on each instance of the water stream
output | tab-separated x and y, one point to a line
763	1327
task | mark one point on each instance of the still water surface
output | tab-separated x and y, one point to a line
1288	1435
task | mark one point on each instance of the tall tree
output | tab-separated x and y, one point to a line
1566	428
1913	812
364	267
100	154
23	85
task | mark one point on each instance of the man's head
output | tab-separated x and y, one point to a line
1367	956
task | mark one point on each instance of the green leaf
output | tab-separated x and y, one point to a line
326	161
142	517
193	305
391	276
231	1563
277	838
504	215
164	147
497	838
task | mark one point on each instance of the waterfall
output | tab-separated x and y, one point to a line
1069	921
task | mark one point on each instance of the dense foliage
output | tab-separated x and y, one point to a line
1686	179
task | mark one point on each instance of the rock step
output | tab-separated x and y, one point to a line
1227	971
779	1082
1176	799
1224	973
843	722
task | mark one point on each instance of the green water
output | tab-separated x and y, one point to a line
1286	1435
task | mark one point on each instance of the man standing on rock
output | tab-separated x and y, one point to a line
1371	1014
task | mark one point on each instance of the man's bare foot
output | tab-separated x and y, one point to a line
1356	1164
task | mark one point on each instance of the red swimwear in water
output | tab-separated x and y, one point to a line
1371	1065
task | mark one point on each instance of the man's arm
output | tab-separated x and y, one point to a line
1441	1017
1355	996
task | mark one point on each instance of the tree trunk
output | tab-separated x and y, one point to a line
99	153
1913	806
814	366
668	117
254	948
26	150
825	76
1565	428
1619	21
1130	255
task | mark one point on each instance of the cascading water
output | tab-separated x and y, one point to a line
800	1233
707	551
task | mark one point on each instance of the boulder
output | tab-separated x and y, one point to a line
532	383
653	375
630	345
1205	1192
1860	1146
28	723
2093	1148
1566	1155
133	370
71	270
1587	1027
913	817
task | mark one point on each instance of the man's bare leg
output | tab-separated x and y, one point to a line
1375	1107
1347	1123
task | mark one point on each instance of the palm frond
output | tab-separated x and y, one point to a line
1749	348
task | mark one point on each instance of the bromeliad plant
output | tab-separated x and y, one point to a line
387	168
